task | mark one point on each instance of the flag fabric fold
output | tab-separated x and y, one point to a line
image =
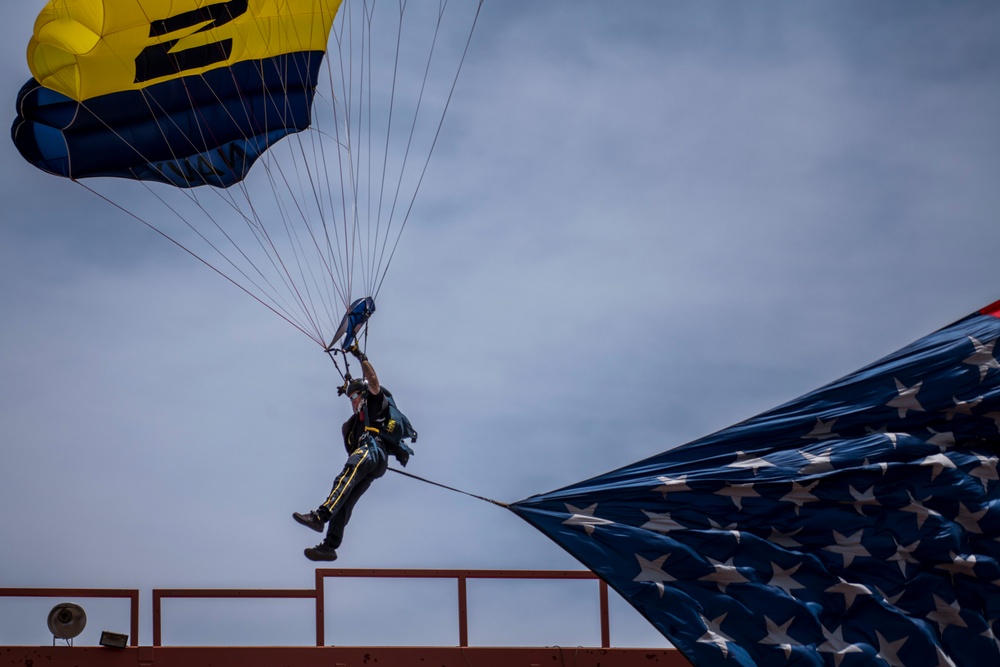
855	525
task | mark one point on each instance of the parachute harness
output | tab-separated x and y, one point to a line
346	377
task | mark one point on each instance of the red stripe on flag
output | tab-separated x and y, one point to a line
992	309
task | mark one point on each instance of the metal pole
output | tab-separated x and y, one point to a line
463	612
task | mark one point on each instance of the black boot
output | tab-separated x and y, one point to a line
321	552
310	520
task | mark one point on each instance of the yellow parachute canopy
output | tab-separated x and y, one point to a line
88	48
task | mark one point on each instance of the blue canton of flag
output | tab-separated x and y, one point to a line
856	525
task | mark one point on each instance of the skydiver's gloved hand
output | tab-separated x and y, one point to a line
358	354
403	454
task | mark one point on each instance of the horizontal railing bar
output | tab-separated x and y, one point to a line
62	592
233	593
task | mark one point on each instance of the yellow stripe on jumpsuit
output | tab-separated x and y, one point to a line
365	464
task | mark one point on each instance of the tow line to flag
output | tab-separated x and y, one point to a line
451	488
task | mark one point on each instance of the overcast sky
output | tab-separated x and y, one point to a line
643	222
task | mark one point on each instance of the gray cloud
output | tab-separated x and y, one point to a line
639	226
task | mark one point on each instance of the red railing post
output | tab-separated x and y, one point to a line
605	617
463	612
134	614
320	609
156	617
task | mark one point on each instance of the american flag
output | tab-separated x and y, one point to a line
856	525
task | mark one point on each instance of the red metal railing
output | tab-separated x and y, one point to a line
460	576
130	594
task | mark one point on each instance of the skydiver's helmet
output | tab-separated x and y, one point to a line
355	386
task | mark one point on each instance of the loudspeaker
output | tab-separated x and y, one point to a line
66	621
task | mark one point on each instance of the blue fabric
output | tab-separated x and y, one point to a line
196	130
355	317
859	520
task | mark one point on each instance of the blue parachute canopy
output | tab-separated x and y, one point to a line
859	520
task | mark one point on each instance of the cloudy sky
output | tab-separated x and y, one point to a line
642	224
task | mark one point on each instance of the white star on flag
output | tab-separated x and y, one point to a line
800	495
749	462
986	470
661	523
888	650
836	645
937	463
921	511
777	635
782	578
982	357
960	565
962	407
651	571
946	614
907	398
848	546
904	555
725	574
672	485
585	518
714	634
969	519
821	430
737	492
849	591
817	464
862	498
943	440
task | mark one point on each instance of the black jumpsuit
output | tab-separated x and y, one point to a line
366	462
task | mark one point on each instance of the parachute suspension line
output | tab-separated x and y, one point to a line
450	488
194	199
256	226
437	134
385	153
343	375
348	185
409	141
370	139
199	258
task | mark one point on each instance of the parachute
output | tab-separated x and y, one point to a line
281	143
859	518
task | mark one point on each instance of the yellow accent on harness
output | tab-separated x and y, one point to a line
372	429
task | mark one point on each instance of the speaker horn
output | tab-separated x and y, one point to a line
66	621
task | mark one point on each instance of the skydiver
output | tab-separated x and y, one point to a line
368	438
